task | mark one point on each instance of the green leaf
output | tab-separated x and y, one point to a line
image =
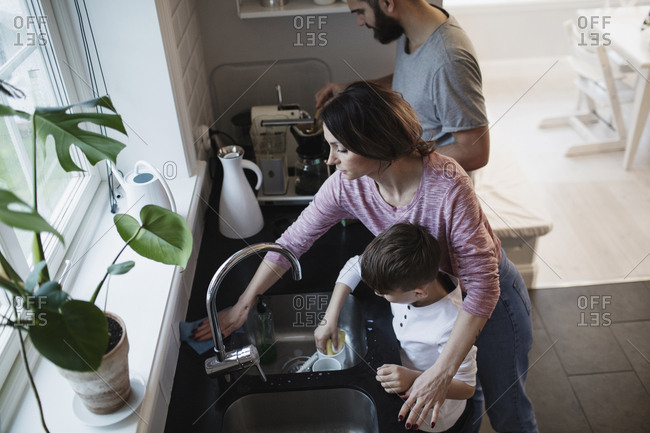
49	296
14	289
16	213
64	127
5	110
34	276
164	235
7	272
120	268
38	255
74	338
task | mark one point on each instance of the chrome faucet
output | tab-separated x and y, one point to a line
224	362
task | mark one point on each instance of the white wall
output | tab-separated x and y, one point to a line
184	48
131	50
227	39
503	30
499	29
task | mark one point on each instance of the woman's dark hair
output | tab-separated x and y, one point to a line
402	258
375	122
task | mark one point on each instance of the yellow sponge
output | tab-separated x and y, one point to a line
330	350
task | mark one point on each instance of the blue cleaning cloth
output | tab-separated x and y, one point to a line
186	329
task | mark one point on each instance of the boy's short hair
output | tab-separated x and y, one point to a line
403	257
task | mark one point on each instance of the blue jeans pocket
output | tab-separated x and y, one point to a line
522	291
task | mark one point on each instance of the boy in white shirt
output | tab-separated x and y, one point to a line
401	265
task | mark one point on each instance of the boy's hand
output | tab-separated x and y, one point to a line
325	330
396	379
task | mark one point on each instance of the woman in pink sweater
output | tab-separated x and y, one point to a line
386	174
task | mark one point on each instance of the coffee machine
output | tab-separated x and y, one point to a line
269	127
311	169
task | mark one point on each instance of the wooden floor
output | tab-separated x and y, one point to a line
600	212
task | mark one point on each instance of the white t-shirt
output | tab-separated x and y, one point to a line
423	333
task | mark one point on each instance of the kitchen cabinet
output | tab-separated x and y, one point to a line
248	9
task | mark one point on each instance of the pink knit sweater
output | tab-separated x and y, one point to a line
445	203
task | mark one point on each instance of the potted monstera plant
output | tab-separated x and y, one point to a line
74	334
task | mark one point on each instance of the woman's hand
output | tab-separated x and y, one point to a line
202	332
230	320
325	330
428	392
430	389
234	318
396	379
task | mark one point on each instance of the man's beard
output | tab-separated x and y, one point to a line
386	29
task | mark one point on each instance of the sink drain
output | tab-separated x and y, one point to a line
294	364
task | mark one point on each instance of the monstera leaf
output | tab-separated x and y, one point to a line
16	213
8	111
163	236
74	336
65	128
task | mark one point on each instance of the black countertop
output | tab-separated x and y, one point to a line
197	401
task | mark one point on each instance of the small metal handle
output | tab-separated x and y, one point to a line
286	122
278	89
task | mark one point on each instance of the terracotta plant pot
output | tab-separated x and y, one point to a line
106	390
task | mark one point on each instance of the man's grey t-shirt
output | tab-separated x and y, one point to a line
442	82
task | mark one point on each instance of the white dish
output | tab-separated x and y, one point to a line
326	364
138	386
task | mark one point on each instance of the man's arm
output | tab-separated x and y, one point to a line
330	90
471	149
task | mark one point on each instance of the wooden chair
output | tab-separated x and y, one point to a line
601	90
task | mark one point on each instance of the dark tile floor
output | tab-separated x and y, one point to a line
590	361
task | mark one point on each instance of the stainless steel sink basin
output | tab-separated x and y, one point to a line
323	410
295	318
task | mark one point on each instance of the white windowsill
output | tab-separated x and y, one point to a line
142	298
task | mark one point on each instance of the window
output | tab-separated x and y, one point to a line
28	62
31	59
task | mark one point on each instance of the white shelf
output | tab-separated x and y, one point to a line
249	9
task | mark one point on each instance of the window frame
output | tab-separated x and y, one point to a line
65	45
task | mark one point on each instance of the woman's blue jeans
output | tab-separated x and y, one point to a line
502	358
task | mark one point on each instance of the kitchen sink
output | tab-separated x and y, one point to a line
295	318
322	410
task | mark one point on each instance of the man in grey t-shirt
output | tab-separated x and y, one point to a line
436	71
